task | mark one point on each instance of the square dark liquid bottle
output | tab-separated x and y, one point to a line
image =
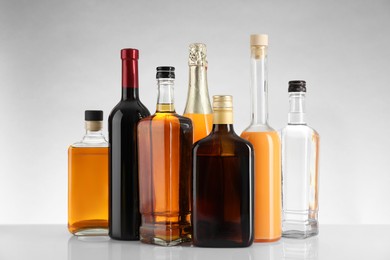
222	183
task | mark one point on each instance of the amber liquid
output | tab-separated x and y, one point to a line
164	143
223	190
202	124
88	190
267	199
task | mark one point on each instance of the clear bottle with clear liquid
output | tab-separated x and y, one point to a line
300	151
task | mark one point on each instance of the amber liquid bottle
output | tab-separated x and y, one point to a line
198	107
222	184
266	143
164	145
124	216
88	180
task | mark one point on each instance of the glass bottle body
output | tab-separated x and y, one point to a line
88	185
198	107
164	145
300	154
223	190
266	144
124	216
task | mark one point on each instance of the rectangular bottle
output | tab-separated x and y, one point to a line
198	107
164	145
300	153
266	144
124	216
222	184
88	180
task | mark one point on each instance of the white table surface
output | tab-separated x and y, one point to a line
55	243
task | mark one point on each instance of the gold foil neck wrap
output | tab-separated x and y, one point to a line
198	54
223	110
93	125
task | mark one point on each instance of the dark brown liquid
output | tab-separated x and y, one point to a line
223	190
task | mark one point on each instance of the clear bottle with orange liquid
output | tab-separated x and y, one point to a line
198	107
164	164
266	144
88	180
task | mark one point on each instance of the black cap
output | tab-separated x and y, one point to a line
297	86
165	72
93	115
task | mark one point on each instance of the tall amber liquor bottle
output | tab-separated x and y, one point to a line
124	216
164	145
88	180
266	142
198	106
222	184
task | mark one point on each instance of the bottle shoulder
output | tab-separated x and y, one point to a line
215	142
128	109
302	129
86	144
168	118
259	128
130	106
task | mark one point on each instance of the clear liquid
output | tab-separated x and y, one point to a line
300	145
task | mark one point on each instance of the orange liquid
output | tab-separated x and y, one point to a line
267	185
202	125
87	188
165	178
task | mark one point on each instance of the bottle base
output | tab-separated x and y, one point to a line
165	235
262	240
300	230
91	232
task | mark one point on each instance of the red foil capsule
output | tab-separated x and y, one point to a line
129	68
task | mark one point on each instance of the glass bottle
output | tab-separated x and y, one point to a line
222	184
198	107
266	143
300	152
164	145
124	216
88	180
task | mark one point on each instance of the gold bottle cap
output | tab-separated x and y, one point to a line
223	109
259	40
222	102
198	54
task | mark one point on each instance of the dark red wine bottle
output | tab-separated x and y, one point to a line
124	217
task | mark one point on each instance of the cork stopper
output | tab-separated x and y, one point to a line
93	120
223	109
259	40
198	54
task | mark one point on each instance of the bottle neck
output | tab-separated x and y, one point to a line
165	98
259	85
129	79
296	115
198	101
223	128
93	132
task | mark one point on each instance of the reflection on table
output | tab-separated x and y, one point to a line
81	248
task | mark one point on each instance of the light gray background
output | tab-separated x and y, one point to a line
58	58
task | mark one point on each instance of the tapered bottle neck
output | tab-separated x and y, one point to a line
198	101
223	128
165	98
296	115
259	85
130	79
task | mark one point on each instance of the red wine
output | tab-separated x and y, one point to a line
124	217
